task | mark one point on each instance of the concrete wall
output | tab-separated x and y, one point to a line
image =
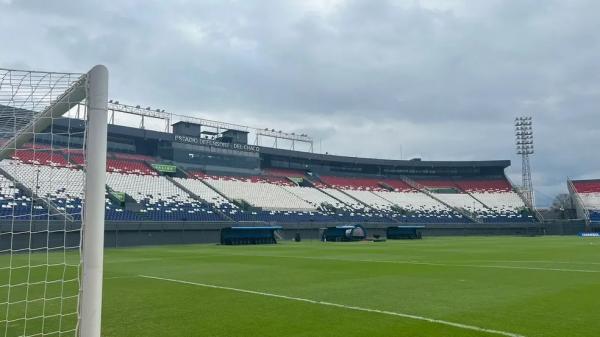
159	233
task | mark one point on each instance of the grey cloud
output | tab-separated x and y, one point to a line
442	82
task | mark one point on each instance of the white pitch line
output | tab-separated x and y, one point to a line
425	263
348	307
488	266
542	261
118	277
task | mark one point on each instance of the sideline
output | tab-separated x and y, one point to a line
348	307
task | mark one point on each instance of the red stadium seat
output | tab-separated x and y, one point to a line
129	166
40	156
587	186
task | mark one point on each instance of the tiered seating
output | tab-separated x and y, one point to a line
15	205
279	198
273	196
420	208
263	192
129	166
503	204
77	159
484	186
117	213
462	200
453	195
430	183
60	185
197	174
371	198
344	198
201	190
341	188
589	192
345	183
274	172
374	193
132	157
314	197
160	199
398	185
41	156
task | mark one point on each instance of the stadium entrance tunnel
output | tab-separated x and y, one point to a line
345	233
249	235
404	232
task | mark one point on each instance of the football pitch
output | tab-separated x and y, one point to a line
453	286
480	286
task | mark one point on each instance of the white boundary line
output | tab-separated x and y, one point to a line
423	263
543	261
119	277
348	307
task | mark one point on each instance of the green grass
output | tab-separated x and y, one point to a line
543	286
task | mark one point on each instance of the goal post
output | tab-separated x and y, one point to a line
93	211
53	143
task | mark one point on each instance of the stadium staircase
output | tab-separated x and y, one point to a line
386	186
198	198
231	201
52	208
316	186
580	204
464	190
366	206
538	216
424	190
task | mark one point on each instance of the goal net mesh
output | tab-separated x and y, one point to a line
42	180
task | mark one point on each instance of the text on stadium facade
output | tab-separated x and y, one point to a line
210	142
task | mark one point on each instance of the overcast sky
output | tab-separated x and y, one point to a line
441	80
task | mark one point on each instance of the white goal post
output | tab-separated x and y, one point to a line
53	140
93	212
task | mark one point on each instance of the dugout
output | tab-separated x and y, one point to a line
249	235
345	233
404	232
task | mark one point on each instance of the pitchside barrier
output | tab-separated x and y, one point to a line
590	235
345	233
404	232
248	235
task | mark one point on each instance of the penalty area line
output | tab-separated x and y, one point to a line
343	306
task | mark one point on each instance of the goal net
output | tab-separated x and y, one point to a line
52	164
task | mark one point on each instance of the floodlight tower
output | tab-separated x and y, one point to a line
524	142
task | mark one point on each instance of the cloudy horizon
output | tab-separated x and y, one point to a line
440	80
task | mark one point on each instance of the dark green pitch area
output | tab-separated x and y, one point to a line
542	286
517	286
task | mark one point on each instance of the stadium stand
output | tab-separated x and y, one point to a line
64	190
263	192
132	157
129	166
41	156
159	199
283	173
206	190
271	198
587	194
14	203
502	203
